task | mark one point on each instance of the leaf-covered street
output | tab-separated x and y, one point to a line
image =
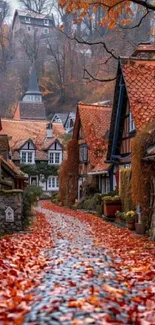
74	268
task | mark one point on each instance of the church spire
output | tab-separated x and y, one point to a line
33	93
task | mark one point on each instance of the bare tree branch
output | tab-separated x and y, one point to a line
92	44
96	79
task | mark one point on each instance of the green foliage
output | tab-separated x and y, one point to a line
66	138
31	195
55	198
109	198
10	191
99	210
40	169
130	216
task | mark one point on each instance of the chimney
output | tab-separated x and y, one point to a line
49	130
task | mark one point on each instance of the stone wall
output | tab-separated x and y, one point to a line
11	209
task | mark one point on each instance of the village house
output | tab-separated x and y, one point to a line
67	119
28	21
85	167
29	29
132	131
132	107
36	147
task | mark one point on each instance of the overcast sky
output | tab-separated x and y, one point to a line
14	4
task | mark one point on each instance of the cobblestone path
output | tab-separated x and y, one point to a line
82	285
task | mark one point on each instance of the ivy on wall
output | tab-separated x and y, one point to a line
125	189
41	168
143	171
68	175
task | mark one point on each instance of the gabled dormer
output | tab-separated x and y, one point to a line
55	153
27	153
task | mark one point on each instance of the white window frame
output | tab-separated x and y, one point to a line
54	153
131	123
46	22
27	157
28	20
106	185
52	183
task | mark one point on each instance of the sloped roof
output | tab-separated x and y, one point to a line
21	131
12	167
33	87
30	111
63	117
95	121
139	76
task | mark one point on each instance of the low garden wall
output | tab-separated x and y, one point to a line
11	211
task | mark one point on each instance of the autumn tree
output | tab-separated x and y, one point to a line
113	9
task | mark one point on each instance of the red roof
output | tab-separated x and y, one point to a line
95	121
139	78
22	131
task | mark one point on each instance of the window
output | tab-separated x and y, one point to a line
55	157
46	22
27	157
36	29
105	185
46	31
28	20
132	124
83	153
28	28
23	158
53	183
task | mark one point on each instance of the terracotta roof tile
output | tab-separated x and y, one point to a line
95	122
21	131
12	166
140	83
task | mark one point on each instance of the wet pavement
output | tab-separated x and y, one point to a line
81	284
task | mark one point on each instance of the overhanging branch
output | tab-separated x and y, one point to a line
96	79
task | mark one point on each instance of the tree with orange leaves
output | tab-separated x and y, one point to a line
114	10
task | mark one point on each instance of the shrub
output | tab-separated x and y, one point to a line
111	198
30	196
99	210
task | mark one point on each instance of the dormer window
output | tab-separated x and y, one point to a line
27	157
46	22
28	20
131	123
55	157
